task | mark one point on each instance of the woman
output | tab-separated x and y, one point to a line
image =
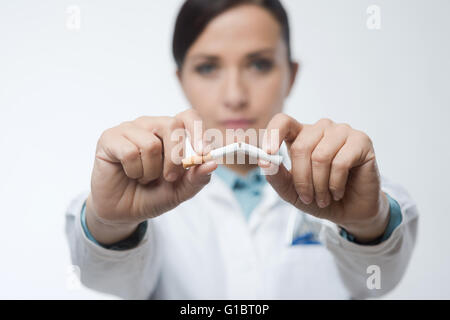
324	224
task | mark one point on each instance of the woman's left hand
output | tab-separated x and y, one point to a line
334	174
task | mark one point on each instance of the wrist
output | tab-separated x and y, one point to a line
374	227
106	232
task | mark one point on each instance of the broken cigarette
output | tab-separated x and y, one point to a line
250	150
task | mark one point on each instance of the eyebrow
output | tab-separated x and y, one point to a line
260	52
248	56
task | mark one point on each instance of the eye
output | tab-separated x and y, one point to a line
262	65
205	68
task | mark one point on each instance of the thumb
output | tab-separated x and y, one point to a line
280	179
283	182
194	180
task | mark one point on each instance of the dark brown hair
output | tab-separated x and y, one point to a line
195	15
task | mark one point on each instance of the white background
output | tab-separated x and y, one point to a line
60	88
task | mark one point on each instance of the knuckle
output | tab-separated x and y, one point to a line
152	147
334	189
125	124
130	154
153	174
321	188
303	187
141	120
300	151
185	113
279	120
320	156
106	134
321	193
344	126
280	117
108	137
145	122
363	137
340	165
174	123
191	112
325	122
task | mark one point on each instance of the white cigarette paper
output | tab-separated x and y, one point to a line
238	147
220	152
258	153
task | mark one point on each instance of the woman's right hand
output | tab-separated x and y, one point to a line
138	174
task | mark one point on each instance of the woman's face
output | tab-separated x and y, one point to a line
237	74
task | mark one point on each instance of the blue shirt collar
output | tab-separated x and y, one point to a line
254	178
247	190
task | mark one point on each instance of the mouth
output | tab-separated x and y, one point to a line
237	123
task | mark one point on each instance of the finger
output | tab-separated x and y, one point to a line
321	158
280	179
280	128
187	122
194	180
353	153
283	184
173	136
118	149
150	148
195	128
300	153
171	132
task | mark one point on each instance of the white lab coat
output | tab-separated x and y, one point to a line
205	249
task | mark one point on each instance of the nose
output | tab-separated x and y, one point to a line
235	95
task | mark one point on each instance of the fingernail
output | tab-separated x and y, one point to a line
338	195
321	203
209	164
306	199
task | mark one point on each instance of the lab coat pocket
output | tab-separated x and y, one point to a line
305	267
303	230
306	252
306	272
306	239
